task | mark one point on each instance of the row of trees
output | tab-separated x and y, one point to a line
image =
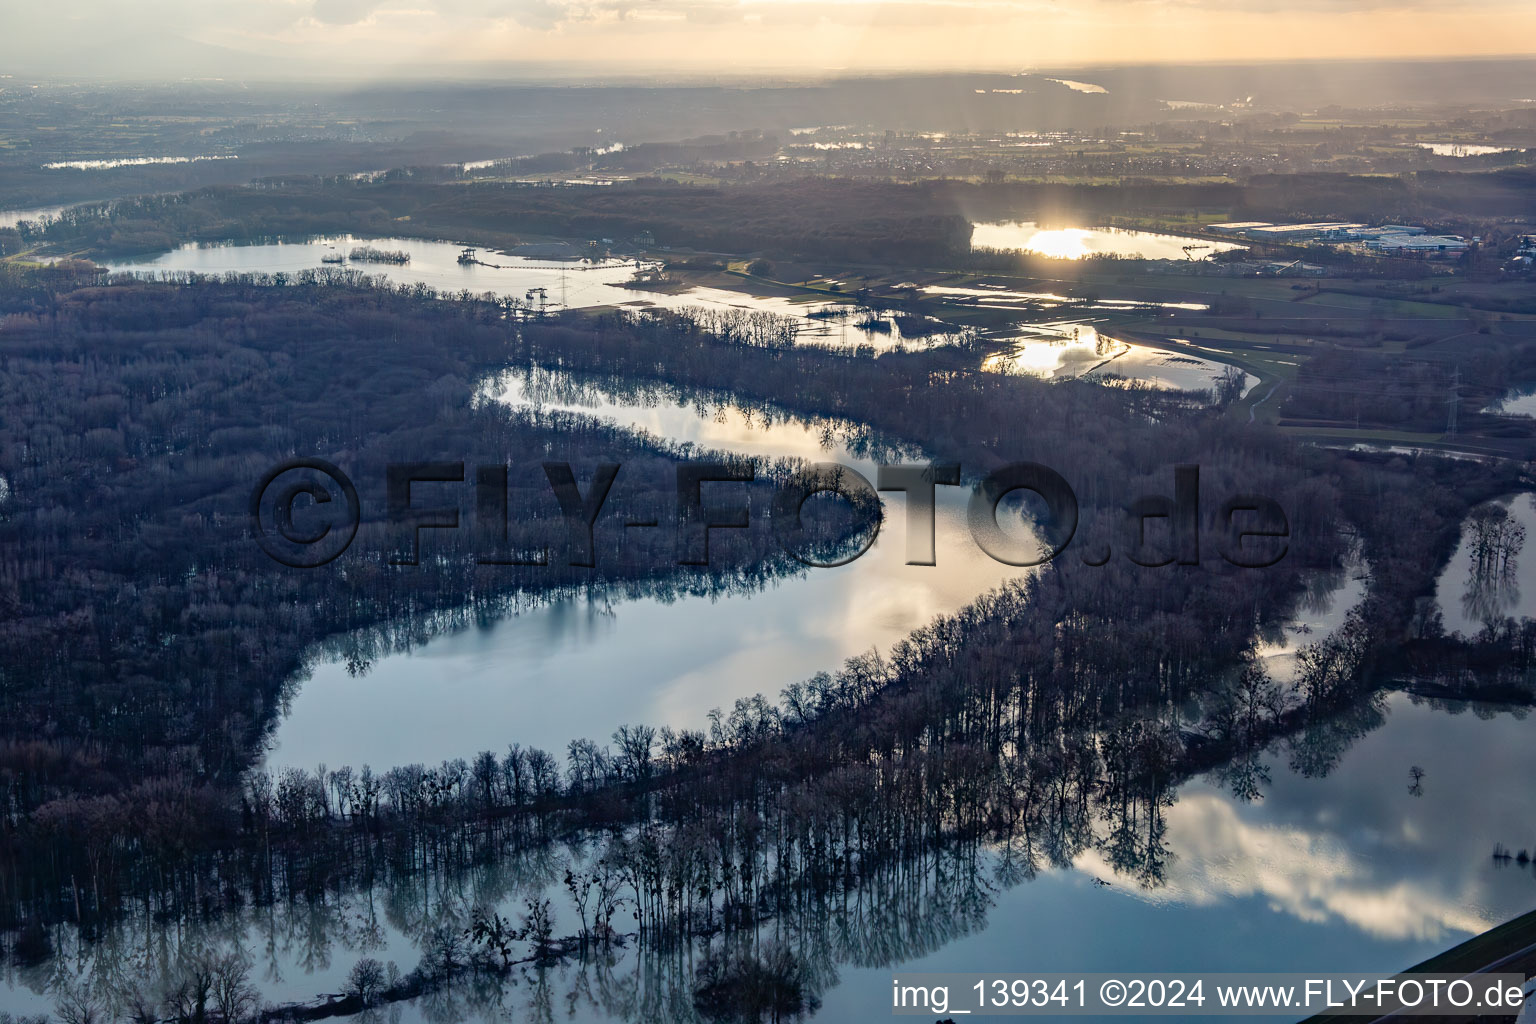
775	822
812	217
150	644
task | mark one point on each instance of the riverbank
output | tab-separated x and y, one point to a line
1508	949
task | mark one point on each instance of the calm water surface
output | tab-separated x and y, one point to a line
1346	872
566	283
1342	871
581	668
10	218
1462	149
1080	243
1466	601
1519	402
1350	870
1337	865
1048	349
1075	349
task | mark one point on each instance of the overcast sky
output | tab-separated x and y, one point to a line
170	37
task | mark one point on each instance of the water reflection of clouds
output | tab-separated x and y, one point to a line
1356	850
1075	349
556	672
1056	350
1314	876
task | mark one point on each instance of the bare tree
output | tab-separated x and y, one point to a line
77	1004
191	989
233	995
138	1005
366	980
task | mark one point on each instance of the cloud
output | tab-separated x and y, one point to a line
1312	875
169	38
343	12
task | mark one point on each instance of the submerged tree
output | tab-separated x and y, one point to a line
1494	540
747	987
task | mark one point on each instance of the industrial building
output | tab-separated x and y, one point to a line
1384	239
1238	227
1301	232
1389	229
1416	245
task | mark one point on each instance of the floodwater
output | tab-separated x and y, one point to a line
574	284
564	283
580	668
131	161
1081	243
1462	149
1057	351
1075	349
1340	864
1467	600
1077	86
1001	297
10	218
1519	402
1348	872
1328	600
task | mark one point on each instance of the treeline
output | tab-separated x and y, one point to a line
924	224
370	254
704	152
146	637
161	222
879	786
147	641
812	218
1409	198
1460	200
1411	390
1046	201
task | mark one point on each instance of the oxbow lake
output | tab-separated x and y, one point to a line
1050	349
1334	863
569	284
583	666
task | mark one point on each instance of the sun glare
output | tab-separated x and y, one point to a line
1061	244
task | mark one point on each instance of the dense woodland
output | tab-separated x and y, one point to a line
817	218
728	858
825	218
1410	390
146	636
147	642
865	815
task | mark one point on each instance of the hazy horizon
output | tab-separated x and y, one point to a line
451	39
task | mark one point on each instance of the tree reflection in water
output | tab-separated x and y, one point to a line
1494	539
743	915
